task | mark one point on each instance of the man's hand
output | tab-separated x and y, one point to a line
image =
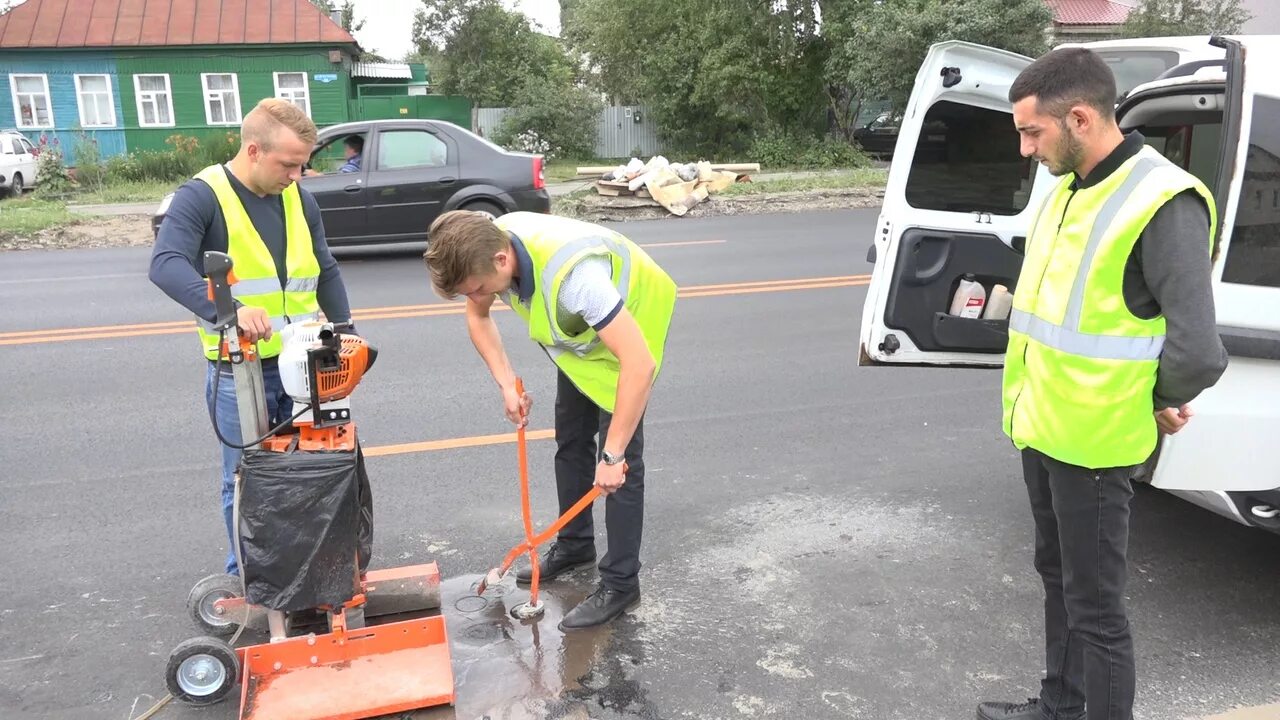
517	405
1171	420
610	477
254	323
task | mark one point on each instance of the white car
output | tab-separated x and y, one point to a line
17	162
968	213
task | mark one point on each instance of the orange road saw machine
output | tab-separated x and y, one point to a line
345	641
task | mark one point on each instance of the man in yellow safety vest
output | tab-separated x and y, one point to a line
1112	334
600	307
252	209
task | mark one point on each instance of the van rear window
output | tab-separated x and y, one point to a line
1254	255
967	160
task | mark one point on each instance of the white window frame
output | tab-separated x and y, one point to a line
149	95
111	101
17	107
292	92
209	96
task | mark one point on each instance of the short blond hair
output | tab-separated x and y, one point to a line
268	116
461	244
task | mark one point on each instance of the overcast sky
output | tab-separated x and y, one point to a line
388	24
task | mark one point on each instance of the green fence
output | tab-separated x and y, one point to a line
452	108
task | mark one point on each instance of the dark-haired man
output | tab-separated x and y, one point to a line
1112	334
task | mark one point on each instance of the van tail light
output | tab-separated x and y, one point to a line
539	182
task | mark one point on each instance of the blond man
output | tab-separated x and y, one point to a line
252	209
601	308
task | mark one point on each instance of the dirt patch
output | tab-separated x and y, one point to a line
598	208
91	232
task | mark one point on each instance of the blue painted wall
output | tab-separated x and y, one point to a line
61	69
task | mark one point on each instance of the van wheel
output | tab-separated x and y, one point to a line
16	188
487	208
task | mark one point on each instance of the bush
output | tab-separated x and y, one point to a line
52	177
780	149
554	122
91	173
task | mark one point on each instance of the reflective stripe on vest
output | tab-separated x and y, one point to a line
1079	389
257	279
555	245
558	264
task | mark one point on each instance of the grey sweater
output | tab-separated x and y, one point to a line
1169	272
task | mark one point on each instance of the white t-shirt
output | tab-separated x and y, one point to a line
587	296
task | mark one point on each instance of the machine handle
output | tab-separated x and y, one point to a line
217	268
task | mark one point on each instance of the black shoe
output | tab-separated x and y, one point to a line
1029	710
554	563
599	608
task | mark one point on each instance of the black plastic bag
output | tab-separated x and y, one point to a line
304	516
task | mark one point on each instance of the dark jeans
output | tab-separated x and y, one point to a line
1082	535
578	419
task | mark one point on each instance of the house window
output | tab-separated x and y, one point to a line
97	108
31	104
155	102
221	99
292	86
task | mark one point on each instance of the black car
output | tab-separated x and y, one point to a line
410	171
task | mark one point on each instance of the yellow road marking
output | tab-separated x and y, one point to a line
104	332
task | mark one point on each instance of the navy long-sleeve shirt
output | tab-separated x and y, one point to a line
194	224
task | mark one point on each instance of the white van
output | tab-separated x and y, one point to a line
966	211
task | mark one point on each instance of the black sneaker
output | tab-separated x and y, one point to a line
1029	710
600	607
554	563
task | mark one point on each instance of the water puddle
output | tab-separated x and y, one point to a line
509	669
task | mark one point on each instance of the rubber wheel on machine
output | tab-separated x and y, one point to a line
204	595
488	208
202	671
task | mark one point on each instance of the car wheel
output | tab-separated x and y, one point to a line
16	188
488	208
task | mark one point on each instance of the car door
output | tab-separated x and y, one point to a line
1230	444
342	197
415	171
958	201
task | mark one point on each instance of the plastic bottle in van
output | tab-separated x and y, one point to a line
999	304
970	298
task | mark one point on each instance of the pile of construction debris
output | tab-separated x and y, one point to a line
658	182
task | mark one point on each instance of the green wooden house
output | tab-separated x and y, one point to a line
138	72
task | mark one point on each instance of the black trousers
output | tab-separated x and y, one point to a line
1082	536
578	420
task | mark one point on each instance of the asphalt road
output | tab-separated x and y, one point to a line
821	540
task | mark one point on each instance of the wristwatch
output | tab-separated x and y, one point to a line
609	458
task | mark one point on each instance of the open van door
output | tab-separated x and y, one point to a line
1228	452
958	201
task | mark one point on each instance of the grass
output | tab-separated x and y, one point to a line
833	180
125	192
23	216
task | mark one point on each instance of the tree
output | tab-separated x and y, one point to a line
715	72
346	14
479	49
877	50
1158	18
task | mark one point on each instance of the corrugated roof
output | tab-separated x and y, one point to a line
1088	12
399	71
159	23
